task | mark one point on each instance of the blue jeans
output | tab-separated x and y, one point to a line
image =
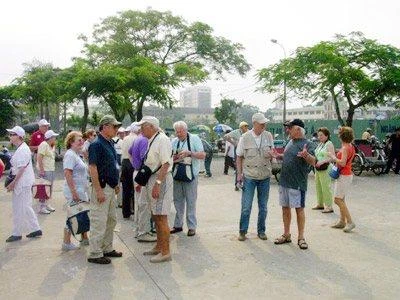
249	186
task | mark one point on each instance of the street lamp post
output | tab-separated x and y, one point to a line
274	41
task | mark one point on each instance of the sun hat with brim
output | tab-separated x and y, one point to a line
259	118
50	134
18	130
108	119
43	122
294	122
149	119
121	129
243	123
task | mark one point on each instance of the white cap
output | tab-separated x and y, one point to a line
121	129
128	129
259	118
43	122
49	134
135	127
151	120
18	130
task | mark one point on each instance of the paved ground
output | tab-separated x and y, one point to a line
214	265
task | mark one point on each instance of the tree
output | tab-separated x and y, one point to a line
360	70
227	112
245	112
7	111
168	50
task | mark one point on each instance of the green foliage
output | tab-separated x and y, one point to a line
227	112
7	111
358	69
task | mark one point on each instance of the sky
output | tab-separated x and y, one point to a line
47	31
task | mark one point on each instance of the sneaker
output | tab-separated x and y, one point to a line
242	237
68	247
13	238
147	238
84	242
191	232
34	234
50	208
318	207
43	210
160	258
339	225
262	236
349	227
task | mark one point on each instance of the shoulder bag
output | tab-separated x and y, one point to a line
144	173
182	171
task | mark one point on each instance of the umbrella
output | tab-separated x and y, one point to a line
219	128
202	128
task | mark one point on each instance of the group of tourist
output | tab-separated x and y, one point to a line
155	171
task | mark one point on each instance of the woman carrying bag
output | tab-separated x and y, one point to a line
20	184
322	178
343	161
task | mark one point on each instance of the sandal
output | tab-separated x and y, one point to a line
283	239
302	244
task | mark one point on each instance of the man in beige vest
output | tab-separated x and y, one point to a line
254	154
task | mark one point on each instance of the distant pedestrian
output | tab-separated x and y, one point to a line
38	136
229	157
104	173
343	160
297	157
89	136
76	182
188	152
394	153
46	155
254	155
367	134
209	154
24	218
323	151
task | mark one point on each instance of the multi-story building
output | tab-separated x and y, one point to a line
196	97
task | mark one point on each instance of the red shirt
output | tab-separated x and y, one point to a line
36	139
1	169
346	170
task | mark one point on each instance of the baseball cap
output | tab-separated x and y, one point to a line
294	122
135	127
108	119
49	134
121	129
259	118
149	119
243	123
18	130
43	122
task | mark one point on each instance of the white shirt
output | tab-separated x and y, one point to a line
118	146
229	149
126	145
22	158
160	152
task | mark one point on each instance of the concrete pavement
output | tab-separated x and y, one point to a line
364	264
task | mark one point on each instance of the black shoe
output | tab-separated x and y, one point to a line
191	232
236	188
100	260
13	238
176	229
113	254
34	234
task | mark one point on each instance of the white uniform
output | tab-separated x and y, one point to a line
24	218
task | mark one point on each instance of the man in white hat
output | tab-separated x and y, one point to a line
159	188
24	218
254	171
46	155
38	136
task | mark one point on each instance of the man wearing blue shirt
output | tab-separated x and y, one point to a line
187	149
104	173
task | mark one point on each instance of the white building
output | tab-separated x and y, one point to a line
196	97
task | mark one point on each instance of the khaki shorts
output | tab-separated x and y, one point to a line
162	205
342	186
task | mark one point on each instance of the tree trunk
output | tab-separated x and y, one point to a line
337	108
47	112
139	111
57	118
350	115
132	114
85	111
41	110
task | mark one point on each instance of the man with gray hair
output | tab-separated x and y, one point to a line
187	153
158	189
254	171
293	180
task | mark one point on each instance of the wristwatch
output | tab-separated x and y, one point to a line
158	181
